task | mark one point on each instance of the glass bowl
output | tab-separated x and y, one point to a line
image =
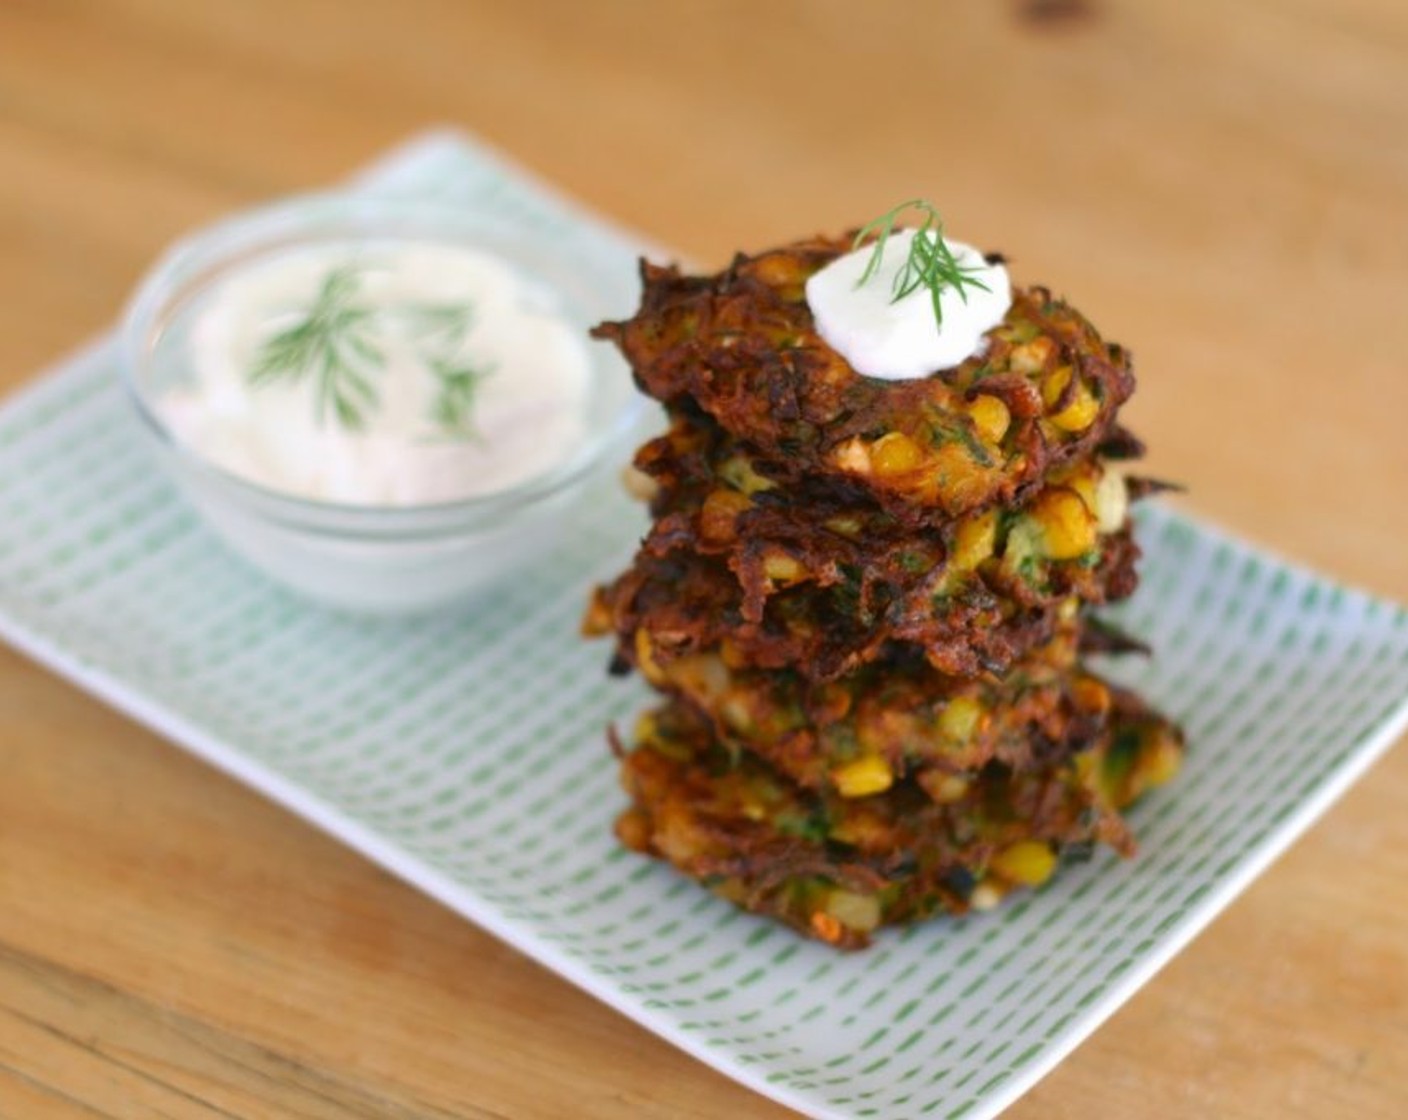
379	559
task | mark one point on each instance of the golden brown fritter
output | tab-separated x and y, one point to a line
741	347
838	868
892	721
667	607
713	501
680	603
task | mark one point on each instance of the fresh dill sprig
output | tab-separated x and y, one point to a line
453	409
442	329
443	324
931	263
332	343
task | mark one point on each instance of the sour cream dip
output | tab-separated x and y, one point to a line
390	372
900	339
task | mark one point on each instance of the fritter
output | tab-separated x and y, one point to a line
667	607
837	868
678	602
896	721
1046	549
741	347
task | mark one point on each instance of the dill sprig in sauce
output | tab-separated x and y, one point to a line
334	343
930	264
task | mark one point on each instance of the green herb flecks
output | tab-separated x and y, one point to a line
931	263
914	562
444	325
960	432
442	330
813	827
333	344
453	409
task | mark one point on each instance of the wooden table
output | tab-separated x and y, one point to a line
1222	186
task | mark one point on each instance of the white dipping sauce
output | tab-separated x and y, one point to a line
899	339
422	315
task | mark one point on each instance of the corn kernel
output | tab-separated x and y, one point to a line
1024	548
1160	759
866	775
990	416
645	659
859	912
974	541
638	484
738	472
1067	527
1080	413
718	517
1055	384
1111	501
645	727
894	453
1030	357
753	807
986	895
1083	483
701	675
1028	862
845	526
960	719
783	568
1081	409
852	456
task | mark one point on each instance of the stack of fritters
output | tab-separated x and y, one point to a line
865	601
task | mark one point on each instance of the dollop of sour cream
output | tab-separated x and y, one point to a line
452	376
899	340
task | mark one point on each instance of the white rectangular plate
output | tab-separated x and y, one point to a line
467	754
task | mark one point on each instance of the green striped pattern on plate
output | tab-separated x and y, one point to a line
467	753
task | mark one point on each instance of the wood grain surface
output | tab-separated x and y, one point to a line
1223	187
